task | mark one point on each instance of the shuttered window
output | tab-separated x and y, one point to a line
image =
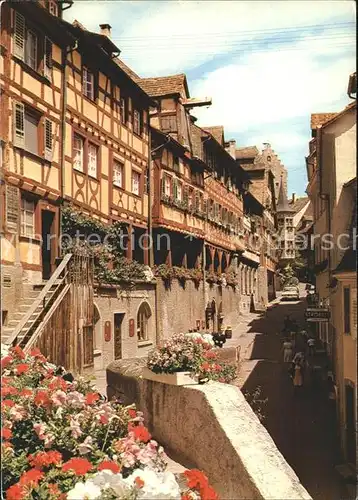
31	132
27	217
19	36
135	182
12	208
92	160
118	170
166	185
48	139
123	109
78	144
88	83
48	59
179	195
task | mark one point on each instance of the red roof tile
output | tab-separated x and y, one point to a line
165	85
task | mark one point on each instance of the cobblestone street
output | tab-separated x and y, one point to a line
301	425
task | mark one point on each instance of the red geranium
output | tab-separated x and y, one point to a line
132	413
196	479
6	391
208	493
8	402
31	478
109	465
91	398
18	352
6	361
58	383
45	458
25	392
36	353
205	366
6	433
139	482
15	492
22	368
140	432
79	466
42	399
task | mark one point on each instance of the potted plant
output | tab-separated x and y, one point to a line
186	359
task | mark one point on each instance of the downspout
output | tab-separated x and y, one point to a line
206	297
65	53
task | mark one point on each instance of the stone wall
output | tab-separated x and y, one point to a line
212	427
181	306
11	287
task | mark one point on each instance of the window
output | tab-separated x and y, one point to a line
166	185
135	182
92	160
146	181
347	309
118	171
176	166
78	144
27	217
88	83
137	126
31	49
52	7
48	139
143	317
179	193
123	109
31	132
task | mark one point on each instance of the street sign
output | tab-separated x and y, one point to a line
317	314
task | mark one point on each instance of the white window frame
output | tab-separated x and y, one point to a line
118	173
88	83
143	320
167	185
92	160
78	152
179	191
27	208
136	183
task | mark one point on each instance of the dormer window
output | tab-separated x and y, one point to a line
269	158
52	7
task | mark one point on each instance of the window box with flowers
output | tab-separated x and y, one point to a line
187	359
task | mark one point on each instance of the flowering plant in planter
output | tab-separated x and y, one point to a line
61	440
190	352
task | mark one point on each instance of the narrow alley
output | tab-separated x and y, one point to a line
301	425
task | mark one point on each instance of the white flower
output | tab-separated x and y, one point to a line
107	479
4	350
76	399
84	491
158	485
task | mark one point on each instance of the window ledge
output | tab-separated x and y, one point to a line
30	239
97	352
144	343
33	155
32	71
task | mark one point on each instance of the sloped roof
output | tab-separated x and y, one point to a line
127	70
246	152
299	203
165	85
320	118
217	132
196	134
282	202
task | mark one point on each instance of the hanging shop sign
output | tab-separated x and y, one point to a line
131	327
317	314
107	331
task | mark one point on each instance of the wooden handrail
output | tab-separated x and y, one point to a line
40	299
47	317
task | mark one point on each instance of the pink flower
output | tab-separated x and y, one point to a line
59	398
75	428
18	413
76	399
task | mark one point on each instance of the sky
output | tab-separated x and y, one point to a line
267	65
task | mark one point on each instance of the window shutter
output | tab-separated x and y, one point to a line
48	59
205	206
186	194
48	139
12	208
19	124
175	188
19	36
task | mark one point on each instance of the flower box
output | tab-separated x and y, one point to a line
177	378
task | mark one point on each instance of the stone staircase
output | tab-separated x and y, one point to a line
31	293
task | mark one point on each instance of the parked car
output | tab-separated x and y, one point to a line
290	293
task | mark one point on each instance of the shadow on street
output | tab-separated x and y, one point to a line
301	424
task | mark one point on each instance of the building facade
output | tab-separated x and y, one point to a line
331	167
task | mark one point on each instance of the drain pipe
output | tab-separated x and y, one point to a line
65	53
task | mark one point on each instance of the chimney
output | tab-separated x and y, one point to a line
232	148
293	197
106	30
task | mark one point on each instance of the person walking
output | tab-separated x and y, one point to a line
298	377
311	346
287	349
